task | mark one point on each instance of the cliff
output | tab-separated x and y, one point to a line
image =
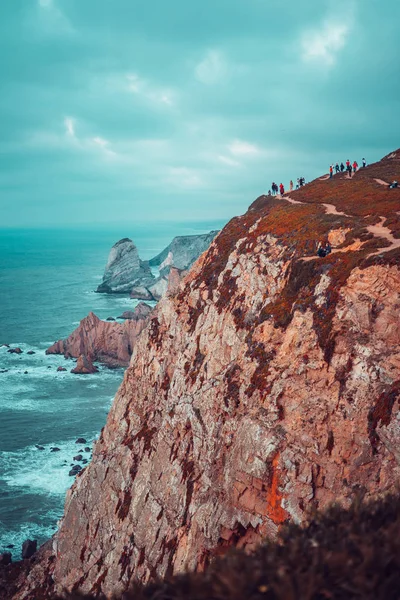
184	250
267	384
124	269
110	343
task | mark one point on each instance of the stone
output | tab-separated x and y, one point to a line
61	369
78	457
109	343
110	319
87	449
124	269
39	447
15	351
141	312
29	548
55	449
84	366
30	352
80	440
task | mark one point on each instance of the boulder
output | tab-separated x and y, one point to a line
140	292
80	441
55	449
124	269
30	352
78	457
60	369
39	447
29	548
110	319
84	366
15	351
87	449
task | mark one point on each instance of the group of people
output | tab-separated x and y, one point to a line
350	168
281	188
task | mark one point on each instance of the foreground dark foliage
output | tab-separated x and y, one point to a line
341	554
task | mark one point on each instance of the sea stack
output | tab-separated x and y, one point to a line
124	269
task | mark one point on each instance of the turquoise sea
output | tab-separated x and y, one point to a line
47	283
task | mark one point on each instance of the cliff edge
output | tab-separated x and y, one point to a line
269	383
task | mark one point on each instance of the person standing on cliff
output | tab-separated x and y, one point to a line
331	171
291	185
341	167
364	162
348	167
281	189
355	166
337	168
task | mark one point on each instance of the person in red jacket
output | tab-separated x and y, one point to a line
281	189
331	171
355	166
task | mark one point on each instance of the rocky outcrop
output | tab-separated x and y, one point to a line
269	382
84	366
124	269
141	311
107	342
183	251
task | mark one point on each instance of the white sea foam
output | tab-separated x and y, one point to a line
33	470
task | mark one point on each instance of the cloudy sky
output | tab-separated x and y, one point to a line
124	111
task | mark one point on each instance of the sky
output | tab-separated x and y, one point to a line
130	111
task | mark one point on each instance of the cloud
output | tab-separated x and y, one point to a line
69	126
228	161
212	69
242	148
144	88
52	19
324	44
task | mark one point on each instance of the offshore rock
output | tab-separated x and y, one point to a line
84	366
124	269
267	384
107	342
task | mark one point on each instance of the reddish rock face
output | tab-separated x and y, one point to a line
267	385
107	342
84	366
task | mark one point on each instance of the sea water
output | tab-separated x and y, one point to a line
47	285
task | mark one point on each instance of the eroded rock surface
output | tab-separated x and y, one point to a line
107	342
124	269
263	386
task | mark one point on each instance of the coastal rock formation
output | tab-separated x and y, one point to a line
269	382
107	342
84	366
124	269
180	255
141	311
183	251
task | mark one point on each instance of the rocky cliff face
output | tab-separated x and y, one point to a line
183	250
124	269
267	384
107	342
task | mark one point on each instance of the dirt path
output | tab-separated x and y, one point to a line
330	209
289	199
380	231
381	182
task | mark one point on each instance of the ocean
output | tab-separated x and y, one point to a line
47	283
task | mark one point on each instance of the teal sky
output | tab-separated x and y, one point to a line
127	111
